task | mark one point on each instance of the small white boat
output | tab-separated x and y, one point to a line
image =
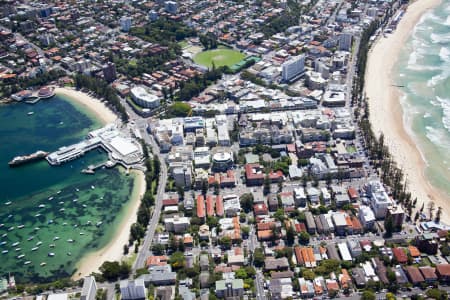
50	198
64	224
30	113
21	256
75	200
3	243
18	249
34	248
93	187
43	264
39	243
77	189
58	192
61	202
61	123
76	225
62	209
30	238
8	203
41	206
10	216
81	233
56	238
15	244
36	228
51	254
1	225
84	205
70	241
4	235
69	253
50	222
99	223
52	245
20	226
27	262
88	222
11	228
4	251
37	215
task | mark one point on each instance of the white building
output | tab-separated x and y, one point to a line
326	196
367	217
293	67
379	199
89	288
132	289
144	99
299	196
125	23
345	253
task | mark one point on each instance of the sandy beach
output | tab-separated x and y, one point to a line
101	111
386	113
114	249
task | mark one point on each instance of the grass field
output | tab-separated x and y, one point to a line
220	57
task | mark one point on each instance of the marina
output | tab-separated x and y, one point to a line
33	97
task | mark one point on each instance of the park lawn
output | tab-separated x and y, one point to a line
220	57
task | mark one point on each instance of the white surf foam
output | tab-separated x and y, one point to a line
445	105
444	54
440	38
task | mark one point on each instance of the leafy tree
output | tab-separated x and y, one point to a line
113	270
388	226
177	260
246	201
290	235
258	258
437	294
225	242
368	295
303	238
158	249
179	109
308	274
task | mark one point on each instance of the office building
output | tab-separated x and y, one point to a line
293	68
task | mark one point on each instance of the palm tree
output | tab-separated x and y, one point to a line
438	215
431	209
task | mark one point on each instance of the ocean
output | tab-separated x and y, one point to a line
423	69
51	216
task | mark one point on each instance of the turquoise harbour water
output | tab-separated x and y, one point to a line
59	207
424	69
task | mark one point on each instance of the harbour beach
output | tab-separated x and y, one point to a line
387	115
114	249
99	109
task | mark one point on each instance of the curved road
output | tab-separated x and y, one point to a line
144	252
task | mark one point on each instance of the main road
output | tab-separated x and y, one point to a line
141	125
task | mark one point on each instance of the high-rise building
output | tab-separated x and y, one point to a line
171	7
293	67
109	72
89	290
125	23
345	41
132	289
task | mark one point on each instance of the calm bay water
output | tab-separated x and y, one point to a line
65	214
424	70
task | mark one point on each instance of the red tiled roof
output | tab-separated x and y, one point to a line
400	255
209	205
219	205
200	206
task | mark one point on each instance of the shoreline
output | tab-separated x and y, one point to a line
386	112
99	109
113	251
